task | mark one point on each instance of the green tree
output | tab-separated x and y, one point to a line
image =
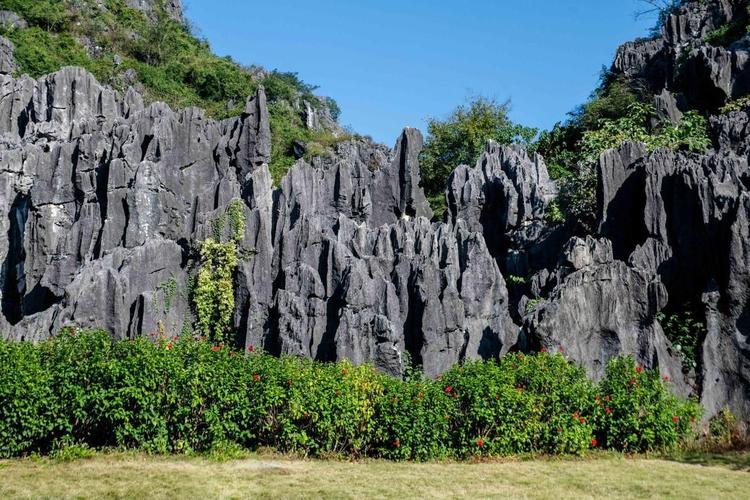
461	138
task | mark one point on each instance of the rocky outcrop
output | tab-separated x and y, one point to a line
686	214
173	8
601	308
680	61
7	60
106	200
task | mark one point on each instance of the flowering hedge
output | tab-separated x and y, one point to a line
179	395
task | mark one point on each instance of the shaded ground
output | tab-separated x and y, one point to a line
139	476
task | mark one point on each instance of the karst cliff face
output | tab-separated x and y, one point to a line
104	200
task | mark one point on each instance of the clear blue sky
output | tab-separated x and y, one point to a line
393	63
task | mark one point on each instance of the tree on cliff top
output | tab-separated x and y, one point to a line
461	138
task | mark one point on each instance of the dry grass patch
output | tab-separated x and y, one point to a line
138	476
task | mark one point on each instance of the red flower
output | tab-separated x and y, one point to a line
397	443
638	369
594	442
497	397
666	379
250	348
289	382
455	395
543	349
562	349
307	415
480	442
582	420
675	419
215	348
575	416
448	390
606	398
256	377
559	430
169	346
597	398
633	381
420	395
608	411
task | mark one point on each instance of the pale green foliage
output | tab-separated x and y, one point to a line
169	291
236	213
214	291
553	214
532	304
736	105
691	133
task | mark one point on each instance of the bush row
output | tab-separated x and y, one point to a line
180	395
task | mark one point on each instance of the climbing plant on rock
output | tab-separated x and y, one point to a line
213	296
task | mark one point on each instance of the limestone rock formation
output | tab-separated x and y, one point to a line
104	203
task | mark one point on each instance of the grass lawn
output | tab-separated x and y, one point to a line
139	476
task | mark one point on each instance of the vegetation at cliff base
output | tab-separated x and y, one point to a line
190	395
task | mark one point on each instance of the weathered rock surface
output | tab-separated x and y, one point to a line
7	60
686	215
680	61
105	201
602	308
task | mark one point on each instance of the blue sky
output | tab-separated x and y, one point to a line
392	64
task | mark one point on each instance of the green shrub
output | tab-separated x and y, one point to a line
40	52
27	404
82	391
685	329
522	404
637	411
461	138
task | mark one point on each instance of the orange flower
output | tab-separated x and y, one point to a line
480	442
594	442
169	346
397	443
675	419
582	420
